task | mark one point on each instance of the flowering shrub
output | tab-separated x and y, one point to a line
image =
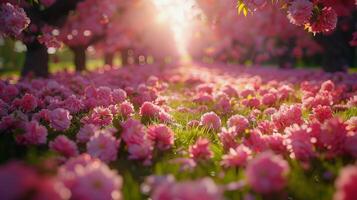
151	132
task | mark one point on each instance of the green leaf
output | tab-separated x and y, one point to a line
245	11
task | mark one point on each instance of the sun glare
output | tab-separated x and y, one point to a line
178	14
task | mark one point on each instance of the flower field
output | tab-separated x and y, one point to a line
180	131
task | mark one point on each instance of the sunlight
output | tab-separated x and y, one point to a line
179	15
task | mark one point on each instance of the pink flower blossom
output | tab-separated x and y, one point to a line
149	110
224	105
193	123
103	146
269	99
13	20
236	157
346	184
228	138
332	136
203	98
60	119
287	116
161	135
126	109
350	145
352	124
238	122
73	104
16	180
188	190
299	142
119	95
34	134
141	151
321	113
325	22
100	117
94	180
210	120
267	173
300	12
86	132
201	150
64	146
133	132
28	103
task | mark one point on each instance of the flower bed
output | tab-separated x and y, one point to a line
180	132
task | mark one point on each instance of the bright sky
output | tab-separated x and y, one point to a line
178	14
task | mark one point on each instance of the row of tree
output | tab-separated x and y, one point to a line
216	31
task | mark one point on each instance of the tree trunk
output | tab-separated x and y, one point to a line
338	54
108	58
79	58
36	60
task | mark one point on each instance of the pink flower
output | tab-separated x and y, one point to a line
99	117
48	38
126	109
201	150
187	190
151	111
255	141
328	86
161	135
332	137
236	157
60	119
119	95
43	115
141	151
238	122
203	98
321	113
276	143
251	102
255	4
270	111
86	132
16	180
346	184
266	127
103	146
13	20
34	134
300	12
269	99
224	104
352	124
133	132
210	120
298	141
230	91
93	180
350	145
267	173
28	103
205	88
228	138
193	123
64	146
325	22
73	104
287	116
